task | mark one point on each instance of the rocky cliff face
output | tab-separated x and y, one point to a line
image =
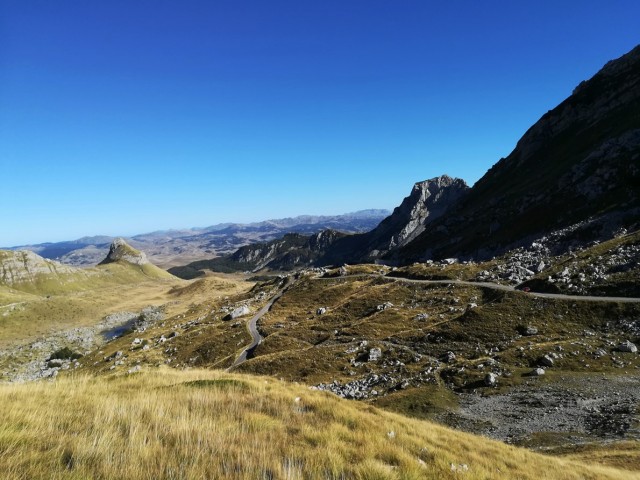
579	162
428	201
23	266
121	251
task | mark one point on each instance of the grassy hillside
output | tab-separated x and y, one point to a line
207	424
29	273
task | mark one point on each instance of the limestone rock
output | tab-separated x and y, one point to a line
238	312
122	251
491	380
547	361
375	354
384	306
627	346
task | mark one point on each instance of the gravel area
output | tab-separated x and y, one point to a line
585	408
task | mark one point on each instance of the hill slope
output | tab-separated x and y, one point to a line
28	272
579	161
206	424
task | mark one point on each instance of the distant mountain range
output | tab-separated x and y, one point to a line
174	247
577	167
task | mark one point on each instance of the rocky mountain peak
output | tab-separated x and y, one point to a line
120	250
427	201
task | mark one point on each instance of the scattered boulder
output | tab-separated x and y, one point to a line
321	311
547	361
421	317
627	346
238	312
375	354
384	306
537	372
449	357
529	331
491	379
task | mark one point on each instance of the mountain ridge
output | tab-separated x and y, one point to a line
580	160
173	247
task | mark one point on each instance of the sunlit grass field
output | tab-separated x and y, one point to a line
191	424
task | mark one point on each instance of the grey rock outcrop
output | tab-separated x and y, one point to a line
122	251
375	354
428	200
25	266
628	347
238	312
491	380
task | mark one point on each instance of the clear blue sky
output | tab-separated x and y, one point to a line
121	117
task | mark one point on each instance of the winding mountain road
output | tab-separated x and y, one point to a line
497	286
256	338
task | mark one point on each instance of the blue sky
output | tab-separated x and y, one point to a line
123	117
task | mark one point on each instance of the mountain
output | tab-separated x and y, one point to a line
121	251
25	271
168	248
580	163
291	251
427	201
577	168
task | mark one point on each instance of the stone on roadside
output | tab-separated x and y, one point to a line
490	379
238	312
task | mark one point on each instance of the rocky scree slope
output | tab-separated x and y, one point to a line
580	160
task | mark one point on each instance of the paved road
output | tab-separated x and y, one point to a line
496	286
256	338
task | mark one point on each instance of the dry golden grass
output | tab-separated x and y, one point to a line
624	454
209	424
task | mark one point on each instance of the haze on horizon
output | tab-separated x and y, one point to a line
123	118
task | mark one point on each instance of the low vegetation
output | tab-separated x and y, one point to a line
207	424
